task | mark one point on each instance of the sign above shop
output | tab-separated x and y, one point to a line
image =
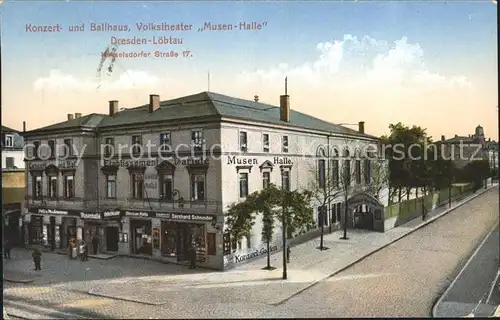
90	215
138	214
112	214
185	216
61	164
53	211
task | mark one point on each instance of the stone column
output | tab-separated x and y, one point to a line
156	223
124	247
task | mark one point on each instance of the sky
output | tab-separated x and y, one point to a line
420	63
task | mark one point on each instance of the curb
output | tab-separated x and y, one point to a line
445	293
423	224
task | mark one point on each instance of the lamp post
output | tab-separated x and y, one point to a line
284	213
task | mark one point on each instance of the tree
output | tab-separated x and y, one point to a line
380	177
293	208
324	185
347	171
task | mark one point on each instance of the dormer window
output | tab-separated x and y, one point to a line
9	140
243	141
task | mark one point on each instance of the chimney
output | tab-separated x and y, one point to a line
24	126
154	102
456	136
78	115
113	107
256	98
285	108
70	116
443	138
361	127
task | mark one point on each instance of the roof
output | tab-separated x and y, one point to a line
458	139
204	104
7	129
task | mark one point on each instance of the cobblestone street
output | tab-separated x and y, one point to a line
136	288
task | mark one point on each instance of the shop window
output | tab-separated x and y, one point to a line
52	187
111	186
37	187
197	187
243	185
211	244
169	239
69	186
137	185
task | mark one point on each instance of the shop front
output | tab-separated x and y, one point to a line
112	231
53	228
13	224
141	240
180	232
93	231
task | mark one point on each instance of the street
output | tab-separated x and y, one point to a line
402	280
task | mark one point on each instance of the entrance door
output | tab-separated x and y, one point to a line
112	238
183	241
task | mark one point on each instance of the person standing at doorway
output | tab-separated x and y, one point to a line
6	249
37	259
192	256
95	244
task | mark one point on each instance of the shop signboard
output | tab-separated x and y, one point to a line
112	214
138	214
185	217
58	212
90	215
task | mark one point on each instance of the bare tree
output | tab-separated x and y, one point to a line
349	179
379	179
324	185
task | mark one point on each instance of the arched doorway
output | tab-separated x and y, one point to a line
365	212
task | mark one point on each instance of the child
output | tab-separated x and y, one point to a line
37	259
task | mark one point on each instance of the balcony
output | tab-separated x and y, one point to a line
61	203
161	205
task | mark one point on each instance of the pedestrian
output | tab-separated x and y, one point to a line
288	250
37	259
192	256
85	251
6	249
95	244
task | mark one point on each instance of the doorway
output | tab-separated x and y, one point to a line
111	238
52	233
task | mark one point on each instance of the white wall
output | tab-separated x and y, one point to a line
18	156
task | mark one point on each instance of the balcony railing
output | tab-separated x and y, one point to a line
161	204
126	203
63	203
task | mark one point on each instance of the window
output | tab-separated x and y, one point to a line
169	239
358	171
265	142
335	173
346	174
336	212
321	174
197	139
285	180
109	146
165	142
69	147
37	188
36	147
166	187
111	186
136	145
284	144
9	140
368	171
69	186
211	244
9	162
137	185
243	141
52	146
266	179
197	187
243	185
52	187
322	216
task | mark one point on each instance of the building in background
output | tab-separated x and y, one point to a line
13	184
159	202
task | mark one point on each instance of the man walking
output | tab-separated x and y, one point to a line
37	259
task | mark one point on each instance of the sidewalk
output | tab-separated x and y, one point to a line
471	292
249	284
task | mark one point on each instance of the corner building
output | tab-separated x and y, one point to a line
115	191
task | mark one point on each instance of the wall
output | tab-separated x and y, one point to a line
13	186
18	156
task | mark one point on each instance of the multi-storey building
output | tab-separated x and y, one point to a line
150	180
13	184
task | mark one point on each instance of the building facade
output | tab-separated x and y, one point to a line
13	184
156	179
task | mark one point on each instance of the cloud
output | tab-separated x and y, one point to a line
128	80
365	61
